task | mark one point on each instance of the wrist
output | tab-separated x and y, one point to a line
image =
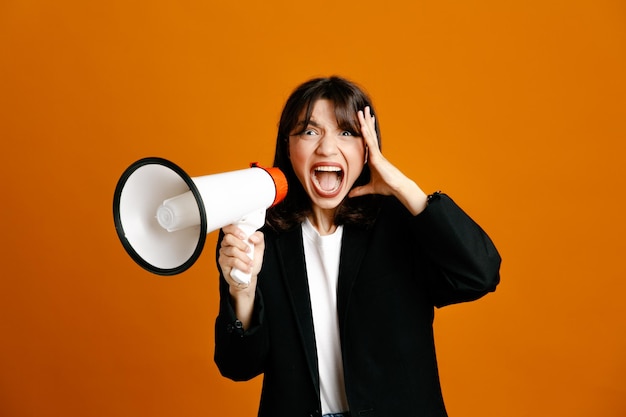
412	197
242	301
241	292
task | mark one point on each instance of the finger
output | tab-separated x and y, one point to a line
231	240
355	192
237	253
369	117
244	266
257	238
242	253
228	263
234	253
234	230
359	191
368	127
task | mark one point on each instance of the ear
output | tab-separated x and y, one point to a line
367	152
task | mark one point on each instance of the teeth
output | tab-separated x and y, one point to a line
327	178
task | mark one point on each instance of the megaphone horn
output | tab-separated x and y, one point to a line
162	215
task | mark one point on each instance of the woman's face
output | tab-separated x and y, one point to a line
326	159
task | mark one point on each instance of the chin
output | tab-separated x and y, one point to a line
328	203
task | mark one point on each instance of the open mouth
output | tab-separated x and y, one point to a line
327	179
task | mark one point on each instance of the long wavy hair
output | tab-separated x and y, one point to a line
348	99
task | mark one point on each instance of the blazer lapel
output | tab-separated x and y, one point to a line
353	248
291	254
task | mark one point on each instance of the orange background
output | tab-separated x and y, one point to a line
516	109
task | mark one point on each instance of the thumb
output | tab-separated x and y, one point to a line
359	191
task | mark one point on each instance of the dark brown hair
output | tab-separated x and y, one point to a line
348	99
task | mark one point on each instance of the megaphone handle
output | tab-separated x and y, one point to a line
248	224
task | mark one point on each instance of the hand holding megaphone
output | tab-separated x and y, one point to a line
162	215
248	225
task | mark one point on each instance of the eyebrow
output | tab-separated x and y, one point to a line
311	122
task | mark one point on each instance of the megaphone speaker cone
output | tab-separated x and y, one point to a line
139	193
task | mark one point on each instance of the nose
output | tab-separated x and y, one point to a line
327	145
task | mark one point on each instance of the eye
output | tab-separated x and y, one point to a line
309	132
348	133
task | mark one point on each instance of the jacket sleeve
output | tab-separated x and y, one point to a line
463	263
239	355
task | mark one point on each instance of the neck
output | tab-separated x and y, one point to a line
323	221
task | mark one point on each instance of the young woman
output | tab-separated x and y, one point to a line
346	272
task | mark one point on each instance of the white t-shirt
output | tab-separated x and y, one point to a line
322	264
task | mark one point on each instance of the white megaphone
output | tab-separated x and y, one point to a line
162	215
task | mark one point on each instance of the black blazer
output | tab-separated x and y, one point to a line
391	275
